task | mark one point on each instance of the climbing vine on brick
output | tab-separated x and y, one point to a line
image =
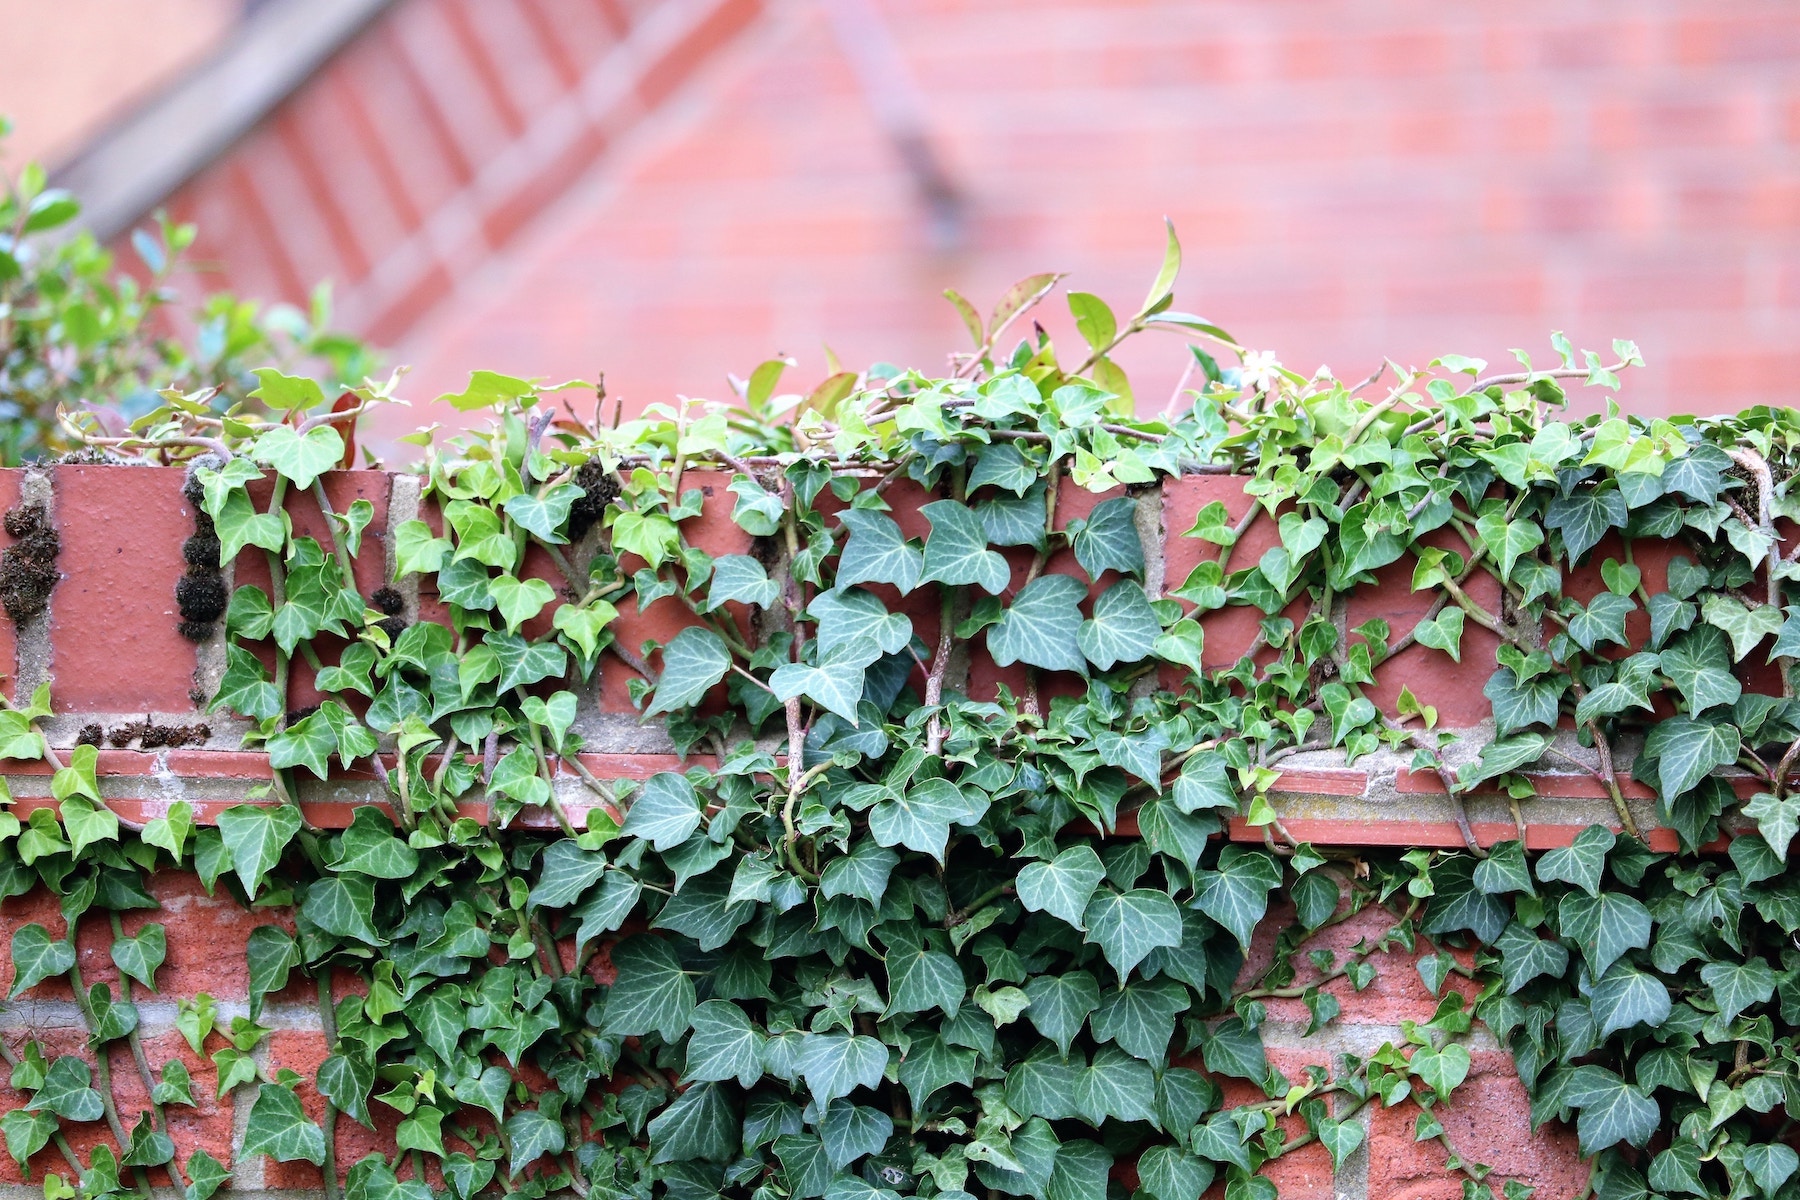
883	939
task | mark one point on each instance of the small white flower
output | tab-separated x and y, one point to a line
1260	370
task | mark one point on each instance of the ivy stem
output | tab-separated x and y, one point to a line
543	764
587	777
1237	534
338	548
159	1119
976	905
940	663
796	759
278	597
102	1058
328	1024
1758	467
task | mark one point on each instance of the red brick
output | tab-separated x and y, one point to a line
302	1052
1488	1120
712	531
113	619
1397	994
1301	1174
1229	631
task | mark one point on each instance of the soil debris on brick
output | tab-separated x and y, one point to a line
28	566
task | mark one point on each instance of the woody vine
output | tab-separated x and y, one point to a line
882	939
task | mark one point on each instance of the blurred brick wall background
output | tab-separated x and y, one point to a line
670	189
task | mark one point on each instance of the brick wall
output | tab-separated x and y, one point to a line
1351	180
109	645
424	146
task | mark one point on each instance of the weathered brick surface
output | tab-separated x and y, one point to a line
113	620
1488	1120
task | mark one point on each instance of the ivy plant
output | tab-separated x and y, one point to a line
881	937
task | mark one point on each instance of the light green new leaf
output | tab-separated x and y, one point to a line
488	389
1443	632
307	743
417	550
1441	1070
300	458
1507	540
519	600
1745	626
289	392
238	524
